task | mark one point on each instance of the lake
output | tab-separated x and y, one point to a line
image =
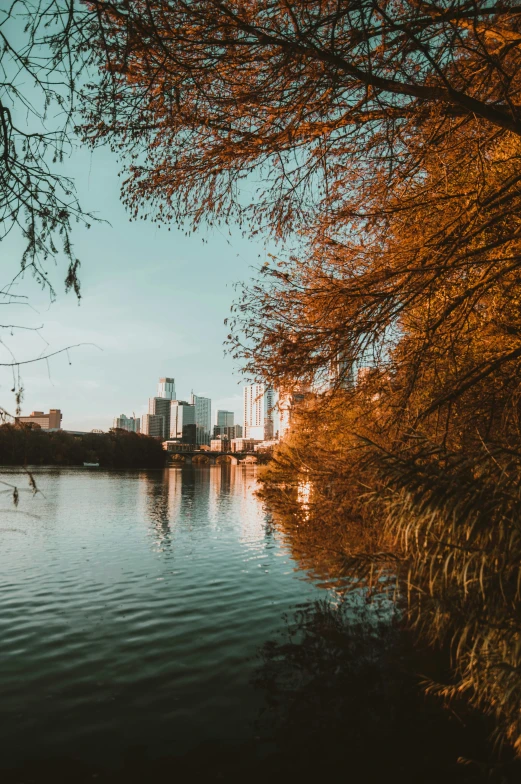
134	605
155	622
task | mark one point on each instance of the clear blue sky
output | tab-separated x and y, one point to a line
153	300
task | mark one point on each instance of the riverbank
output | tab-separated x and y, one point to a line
336	520
21	446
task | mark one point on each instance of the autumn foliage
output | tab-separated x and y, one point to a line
379	143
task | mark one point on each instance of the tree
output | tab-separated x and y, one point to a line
342	111
42	62
387	142
324	98
40	65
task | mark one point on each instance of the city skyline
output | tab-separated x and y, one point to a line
171	418
132	412
152	300
167	417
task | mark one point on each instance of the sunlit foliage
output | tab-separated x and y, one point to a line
379	142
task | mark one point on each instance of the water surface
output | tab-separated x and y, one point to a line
133	606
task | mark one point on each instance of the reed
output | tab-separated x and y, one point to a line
456	521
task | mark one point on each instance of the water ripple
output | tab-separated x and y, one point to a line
133	611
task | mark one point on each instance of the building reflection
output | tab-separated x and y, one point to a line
203	497
160	505
175	496
223	480
227	479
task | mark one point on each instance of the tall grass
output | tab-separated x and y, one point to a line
440	531
457	522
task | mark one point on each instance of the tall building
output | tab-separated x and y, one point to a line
203	418
50	421
225	419
182	422
259	415
341	372
153	425
166	388
288	401
131	424
235	431
160	406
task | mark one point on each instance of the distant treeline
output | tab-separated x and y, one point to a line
117	449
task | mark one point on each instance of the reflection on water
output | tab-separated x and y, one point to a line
203	496
145	611
318	543
133	609
303	496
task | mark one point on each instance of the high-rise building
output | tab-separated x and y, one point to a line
235	431
225	419
341	372
160	406
203	418
50	421
288	401
259	403
182	422
153	425
166	388
131	424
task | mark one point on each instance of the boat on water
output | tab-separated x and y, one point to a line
91	465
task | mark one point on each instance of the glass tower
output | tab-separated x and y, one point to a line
160	406
225	419
182	421
166	388
203	418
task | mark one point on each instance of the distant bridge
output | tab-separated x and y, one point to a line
204	457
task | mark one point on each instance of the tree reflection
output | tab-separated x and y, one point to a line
323	545
343	693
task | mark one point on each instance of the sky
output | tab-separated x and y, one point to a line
153	304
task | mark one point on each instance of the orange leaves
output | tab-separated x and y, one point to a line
372	139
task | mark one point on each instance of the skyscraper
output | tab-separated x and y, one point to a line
160	406
166	388
341	372
131	424
203	418
225	419
153	425
288	401
259	402
182	422
235	431
269	414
